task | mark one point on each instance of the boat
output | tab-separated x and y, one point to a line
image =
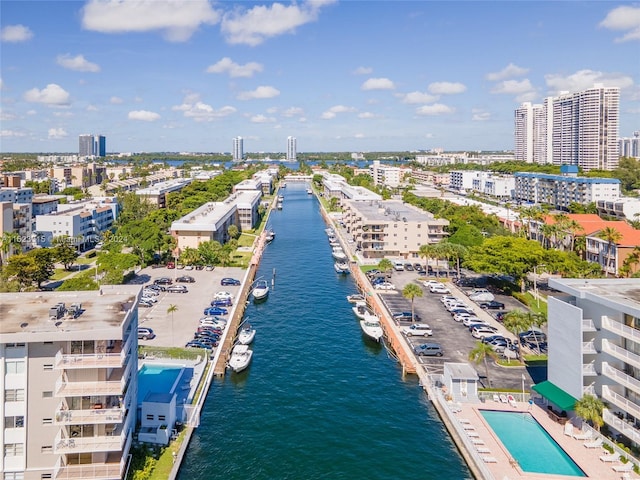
329	231
279	205
341	267
339	255
270	235
309	191
280	198
371	327
240	358
361	310
246	335
335	244
260	290
284	185
355	298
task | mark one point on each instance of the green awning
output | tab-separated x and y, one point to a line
555	395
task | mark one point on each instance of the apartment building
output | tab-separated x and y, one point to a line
69	377
157	193
385	175
624	208
16	194
630	146
561	191
238	149
497	186
390	228
611	256
461	181
335	186
594	347
292	149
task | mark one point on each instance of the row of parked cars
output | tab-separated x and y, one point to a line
211	325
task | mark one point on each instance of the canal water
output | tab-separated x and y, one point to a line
319	400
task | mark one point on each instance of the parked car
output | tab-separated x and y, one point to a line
156	287
440	288
384	286
229	281
171	265
418	330
408	267
212	323
177	289
215	311
199	267
185	279
532	336
407	316
197	344
150	292
483	332
418	268
221	294
163	281
500	316
429	283
491	305
213	337
209	268
428	349
145	333
458	310
149	298
493	338
209	328
459	317
469	321
145	303
221	302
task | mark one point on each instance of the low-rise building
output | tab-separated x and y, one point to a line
386	175
391	228
625	208
16	194
69	382
157	193
335	186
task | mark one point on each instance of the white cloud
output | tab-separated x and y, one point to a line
363	71
625	18
254	26
57	133
143	115
480	115
192	107
583	79
331	113
52	94
77	63
367	115
293	112
359	135
226	65
446	88
413	98
92	108
435	109
523	89
509	71
378	84
116	100
177	20
262	119
15	34
260	92
11	133
6	116
63	114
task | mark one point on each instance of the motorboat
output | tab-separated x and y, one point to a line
246	335
361	310
334	244
270	235
371	327
355	298
309	191
341	267
260	290
329	231
240	358
279	205
280	198
339	255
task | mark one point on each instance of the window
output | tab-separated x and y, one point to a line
161	418
47	394
149	417
47	421
13	449
46	475
14	422
14	366
14	395
13	476
46	449
48	366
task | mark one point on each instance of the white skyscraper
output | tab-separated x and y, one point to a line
291	149
238	149
530	133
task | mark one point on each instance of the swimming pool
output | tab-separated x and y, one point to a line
157	378
530	444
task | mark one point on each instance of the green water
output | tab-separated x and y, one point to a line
319	401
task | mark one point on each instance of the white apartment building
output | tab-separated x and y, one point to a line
624	208
390	228
335	185
461	181
562	190
238	149
157	193
630	146
385	175
212	220
497	186
69	383
594	346
16	195
292	149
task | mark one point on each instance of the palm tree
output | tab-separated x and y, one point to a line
8	241
516	321
480	353
456	252
385	266
612	237
411	291
172	309
426	251
590	409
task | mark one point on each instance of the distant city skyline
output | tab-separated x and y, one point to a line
191	76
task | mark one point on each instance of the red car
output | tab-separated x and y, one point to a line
171	265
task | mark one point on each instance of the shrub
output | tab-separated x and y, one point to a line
607	447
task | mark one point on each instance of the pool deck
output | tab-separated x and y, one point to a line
503	467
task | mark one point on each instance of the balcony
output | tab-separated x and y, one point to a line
620	401
589	348
621	353
620	329
621	377
93	360
96	388
623	426
86	417
95	471
588	325
589	370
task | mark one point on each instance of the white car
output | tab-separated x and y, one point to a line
448	299
384	286
212	323
429	283
454	305
440	288
418	330
470	321
223	296
149	298
459	317
482	332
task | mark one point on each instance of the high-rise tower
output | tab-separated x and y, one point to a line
238	149
291	149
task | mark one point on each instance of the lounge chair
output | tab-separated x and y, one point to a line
568	429
503	398
477	441
625	467
464	420
468	426
472	433
496	398
483	450
512	401
611	457
489	460
583	435
594	444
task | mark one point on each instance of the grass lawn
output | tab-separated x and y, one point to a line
85	260
246	240
60	273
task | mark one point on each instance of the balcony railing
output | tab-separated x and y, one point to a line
589	369
588	325
93	360
620	329
102	443
621	377
95	471
620	353
588	348
589	390
93	416
626	428
84	389
620	401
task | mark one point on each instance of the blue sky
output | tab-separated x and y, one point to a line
157	75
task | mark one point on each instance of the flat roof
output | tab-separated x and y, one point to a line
621	294
391	211
24	316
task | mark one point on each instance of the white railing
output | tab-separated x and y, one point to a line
96	388
621	353
589	369
622	426
620	329
94	416
621	377
589	390
588	325
101	443
589	347
93	360
95	471
620	401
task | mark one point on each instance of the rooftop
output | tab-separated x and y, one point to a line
390	211
621	294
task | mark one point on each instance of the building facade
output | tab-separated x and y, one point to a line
238	149
385	175
594	346
630	147
292	149
70	383
92	145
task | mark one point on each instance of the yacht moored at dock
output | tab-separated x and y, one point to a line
341	267
372	328
246	335
260	290
240	358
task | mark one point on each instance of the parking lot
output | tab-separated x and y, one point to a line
454	337
175	330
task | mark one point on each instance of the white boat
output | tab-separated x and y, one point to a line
361	310
341	267
355	298
246	335
260	290
329	231
270	235
339	255
279	205
371	327
309	191
240	358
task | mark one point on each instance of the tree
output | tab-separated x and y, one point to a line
35	266
172	309
210	252
410	292
64	251
8	241
385	266
590	408
480	353
233	231
426	251
612	237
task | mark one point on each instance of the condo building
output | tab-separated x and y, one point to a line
70	383
594	347
385	174
292	148
630	146
92	146
238	149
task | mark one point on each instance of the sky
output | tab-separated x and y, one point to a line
359	76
